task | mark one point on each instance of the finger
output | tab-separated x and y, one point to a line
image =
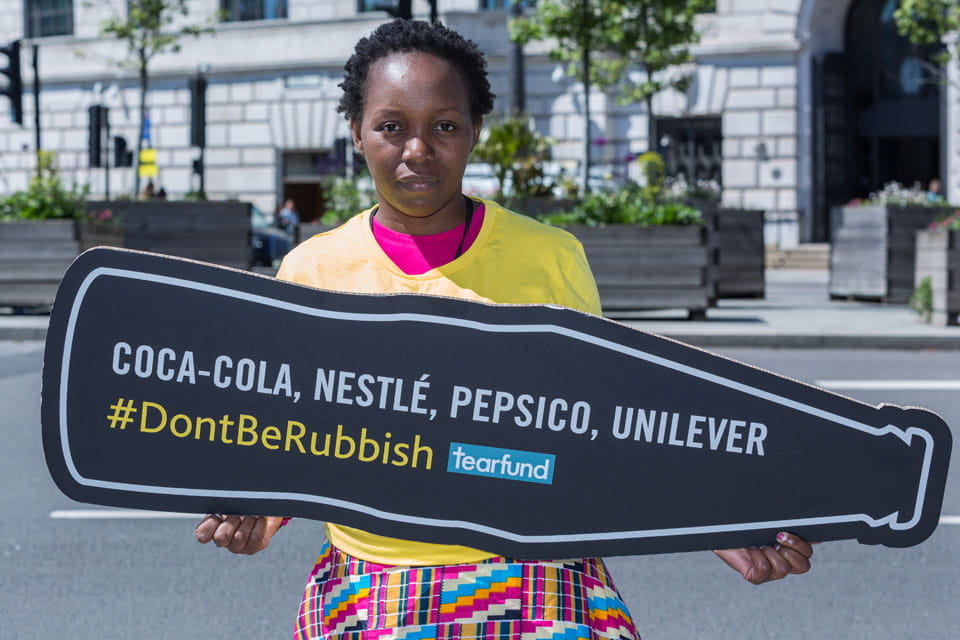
204	531
736	559
779	566
223	536
759	572
796	543
258	540
798	563
242	535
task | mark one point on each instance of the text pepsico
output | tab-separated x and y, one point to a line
508	464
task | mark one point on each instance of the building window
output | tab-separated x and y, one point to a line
49	18
692	148
486	5
241	10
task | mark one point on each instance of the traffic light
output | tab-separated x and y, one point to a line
122	157
340	151
198	111
14	88
97	120
399	9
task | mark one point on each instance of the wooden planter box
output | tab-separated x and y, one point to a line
873	251
737	246
34	254
650	267
217	232
938	258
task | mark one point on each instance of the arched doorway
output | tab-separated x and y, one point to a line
894	101
876	115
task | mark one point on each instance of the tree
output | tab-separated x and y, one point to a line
608	40
516	151
927	23
654	36
150	27
581	29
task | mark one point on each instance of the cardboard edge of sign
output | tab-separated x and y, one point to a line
892	531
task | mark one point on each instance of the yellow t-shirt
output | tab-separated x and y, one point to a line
514	260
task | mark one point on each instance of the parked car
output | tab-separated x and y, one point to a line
268	244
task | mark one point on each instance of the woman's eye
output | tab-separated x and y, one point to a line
446	127
390	127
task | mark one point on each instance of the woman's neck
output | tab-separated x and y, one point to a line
449	216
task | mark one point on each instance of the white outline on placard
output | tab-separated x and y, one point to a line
890	520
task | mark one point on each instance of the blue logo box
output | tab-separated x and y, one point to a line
507	464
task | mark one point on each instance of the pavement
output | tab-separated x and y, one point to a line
796	312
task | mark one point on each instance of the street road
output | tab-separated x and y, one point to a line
73	576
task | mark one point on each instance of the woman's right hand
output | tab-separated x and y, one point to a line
239	534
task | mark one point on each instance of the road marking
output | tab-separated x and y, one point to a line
924	385
119	514
950	520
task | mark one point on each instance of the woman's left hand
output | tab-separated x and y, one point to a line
240	534
763	564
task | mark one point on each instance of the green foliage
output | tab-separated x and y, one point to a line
151	27
576	26
516	151
922	299
926	22
628	44
651	35
654	172
630	205
654	36
46	197
950	223
344	199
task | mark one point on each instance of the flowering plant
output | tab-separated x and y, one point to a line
895	194
677	188
950	223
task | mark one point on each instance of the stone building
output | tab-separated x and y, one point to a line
795	105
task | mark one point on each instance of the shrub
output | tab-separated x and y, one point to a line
45	197
922	299
344	199
629	205
950	223
516	151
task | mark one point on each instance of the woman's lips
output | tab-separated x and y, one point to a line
419	183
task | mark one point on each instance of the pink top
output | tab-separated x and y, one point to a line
418	254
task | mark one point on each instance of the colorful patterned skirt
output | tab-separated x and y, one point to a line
351	599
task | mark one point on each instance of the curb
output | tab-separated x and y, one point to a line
822	341
37	330
23	332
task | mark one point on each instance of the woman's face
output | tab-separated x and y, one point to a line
416	133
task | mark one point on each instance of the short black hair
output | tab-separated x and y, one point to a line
416	35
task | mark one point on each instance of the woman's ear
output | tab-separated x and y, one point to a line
477	128
355	134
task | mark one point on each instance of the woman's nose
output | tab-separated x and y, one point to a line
416	149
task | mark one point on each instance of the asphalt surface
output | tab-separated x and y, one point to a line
90	578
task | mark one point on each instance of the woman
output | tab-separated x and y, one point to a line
415	95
